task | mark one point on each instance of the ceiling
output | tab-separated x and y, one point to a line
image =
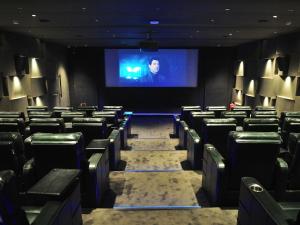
121	23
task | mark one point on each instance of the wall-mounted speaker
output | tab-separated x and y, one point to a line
283	64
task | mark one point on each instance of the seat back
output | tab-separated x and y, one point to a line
252	154
215	132
12	115
290	125
11	152
118	109
261	124
196	119
185	112
216	109
37	109
57	151
10	211
265	108
244	108
38	114
238	115
12	125
110	116
68	116
87	109
264	114
91	128
46	125
57	110
294	165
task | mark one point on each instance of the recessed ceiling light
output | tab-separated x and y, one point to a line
275	32
33	15
154	22
96	20
227	9
211	20
230	34
15	22
275	17
291	10
83	8
218	45
197	31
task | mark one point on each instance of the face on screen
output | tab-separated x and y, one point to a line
154	66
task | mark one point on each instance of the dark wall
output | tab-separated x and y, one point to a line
215	81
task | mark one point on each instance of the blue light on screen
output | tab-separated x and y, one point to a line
132	68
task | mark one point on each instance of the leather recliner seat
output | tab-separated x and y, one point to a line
50	213
290	125
110	116
261	124
264	114
248	154
12	115
196	119
47	125
91	128
38	114
118	109
215	132
265	108
244	108
12	125
284	115
216	109
57	110
258	207
68	116
67	151
185	112
238	115
87	109
36	108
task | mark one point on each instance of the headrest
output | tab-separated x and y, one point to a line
216	108
61	138
47	120
241	108
225	121
91	107
115	107
265	108
62	108
11	120
234	114
264	113
88	120
255	137
100	113
72	114
203	114
37	108
291	120
12	115
191	108
39	114
261	120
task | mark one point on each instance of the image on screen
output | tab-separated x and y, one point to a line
163	68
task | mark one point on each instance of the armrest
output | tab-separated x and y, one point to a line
281	179
28	174
93	195
254	201
53	214
213	181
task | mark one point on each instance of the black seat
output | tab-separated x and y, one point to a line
264	114
194	149
12	125
50	213
37	109
290	125
196	119
258	207
68	116
118	109
91	128
110	116
248	154
87	109
67	151
265	108
215	132
261	124
38	114
216	109
12	155
238	115
185	112
47	125
12	115
57	110
244	108
284	115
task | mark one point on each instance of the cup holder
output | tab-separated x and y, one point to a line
256	188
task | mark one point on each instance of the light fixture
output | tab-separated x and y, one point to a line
83	8
212	20
15	22
154	22
275	17
288	23
291	10
230	34
96	20
227	9
33	15
275	32
197	31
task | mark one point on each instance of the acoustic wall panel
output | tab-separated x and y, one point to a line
266	87
283	104
16	86
38	86
288	88
239	80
